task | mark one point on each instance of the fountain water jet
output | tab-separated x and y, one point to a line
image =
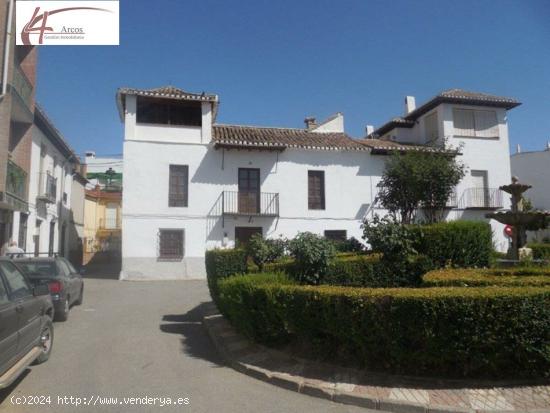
519	219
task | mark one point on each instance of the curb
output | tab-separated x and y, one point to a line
301	385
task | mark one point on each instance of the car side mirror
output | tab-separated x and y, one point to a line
41	289
82	271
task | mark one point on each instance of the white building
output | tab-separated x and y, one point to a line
191	184
49	222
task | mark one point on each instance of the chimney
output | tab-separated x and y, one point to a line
310	122
369	129
410	104
518	148
548	145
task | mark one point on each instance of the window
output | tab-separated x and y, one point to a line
178	186
336	234
15	279
475	123
316	189
171	244
169	112
430	126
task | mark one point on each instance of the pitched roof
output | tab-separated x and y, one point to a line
240	136
164	92
47	127
379	146
459	96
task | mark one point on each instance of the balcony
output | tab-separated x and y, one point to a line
250	203
452	202
22	91
48	188
481	198
109	224
16	181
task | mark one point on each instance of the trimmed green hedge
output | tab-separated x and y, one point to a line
456	243
486	277
541	251
362	270
221	264
454	332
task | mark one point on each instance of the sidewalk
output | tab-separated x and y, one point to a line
374	391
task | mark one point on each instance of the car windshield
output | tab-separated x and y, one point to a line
39	268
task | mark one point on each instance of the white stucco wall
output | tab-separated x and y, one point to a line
350	188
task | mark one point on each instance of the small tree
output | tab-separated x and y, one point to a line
312	254
263	251
415	179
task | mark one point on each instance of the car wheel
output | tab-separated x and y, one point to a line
80	297
63	314
46	343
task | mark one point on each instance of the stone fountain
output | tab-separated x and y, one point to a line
518	219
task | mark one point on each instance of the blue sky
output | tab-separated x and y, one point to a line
274	62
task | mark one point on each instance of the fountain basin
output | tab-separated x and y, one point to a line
531	219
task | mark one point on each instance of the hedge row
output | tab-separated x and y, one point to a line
362	270
486	277
453	332
456	243
540	251
223	263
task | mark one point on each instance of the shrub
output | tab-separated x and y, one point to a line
221	264
312	254
350	245
486	277
388	237
455	243
455	332
262	251
541	251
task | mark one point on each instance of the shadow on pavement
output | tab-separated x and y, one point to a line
5	393
195	341
104	265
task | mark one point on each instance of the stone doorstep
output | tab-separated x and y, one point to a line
242	355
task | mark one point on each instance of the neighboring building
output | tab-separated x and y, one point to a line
191	184
50	225
18	66
103	207
76	237
533	168
103	222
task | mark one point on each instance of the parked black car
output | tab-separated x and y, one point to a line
26	330
64	281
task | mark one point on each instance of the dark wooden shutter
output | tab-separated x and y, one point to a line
178	186
316	189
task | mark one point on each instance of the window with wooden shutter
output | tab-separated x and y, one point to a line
171	244
316	189
431	127
475	123
178	186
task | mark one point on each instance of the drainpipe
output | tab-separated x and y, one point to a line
5	69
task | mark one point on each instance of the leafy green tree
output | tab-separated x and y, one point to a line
414	180
312	254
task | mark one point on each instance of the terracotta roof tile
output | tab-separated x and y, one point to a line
168	92
281	138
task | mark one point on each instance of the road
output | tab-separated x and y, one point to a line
145	339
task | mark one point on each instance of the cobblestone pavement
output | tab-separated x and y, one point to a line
380	392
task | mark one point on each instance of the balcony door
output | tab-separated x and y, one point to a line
480	190
249	190
111	215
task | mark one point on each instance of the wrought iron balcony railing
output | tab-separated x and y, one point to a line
481	198
109	223
250	203
16	181
48	188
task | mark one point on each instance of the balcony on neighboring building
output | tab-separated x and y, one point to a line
48	188
481	198
452	202
250	203
22	91
15	196
109	223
